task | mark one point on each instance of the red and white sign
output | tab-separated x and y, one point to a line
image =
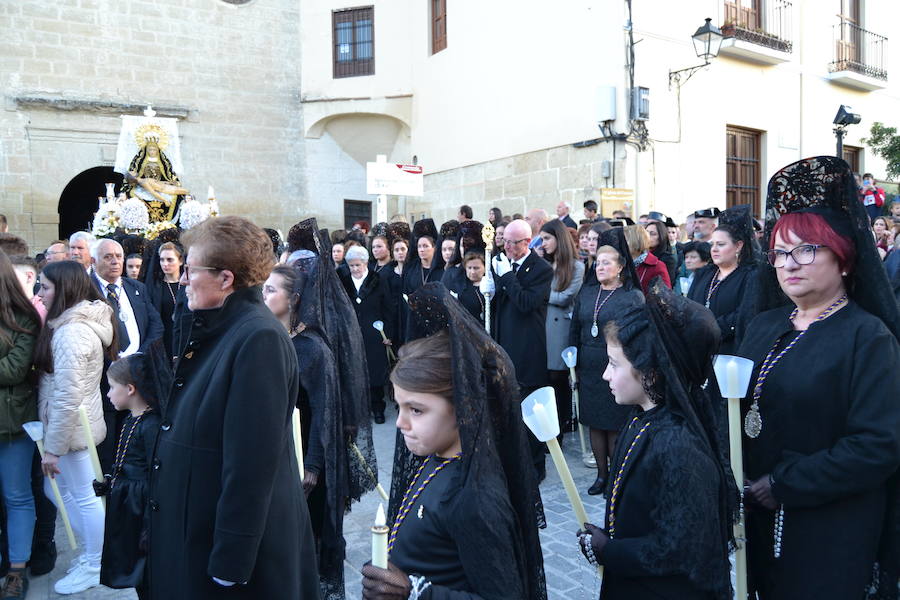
396	180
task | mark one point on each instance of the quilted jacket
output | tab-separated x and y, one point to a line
79	336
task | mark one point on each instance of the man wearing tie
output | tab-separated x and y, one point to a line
523	282
139	325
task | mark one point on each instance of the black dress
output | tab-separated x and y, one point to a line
725	301
664	543
432	541
598	406
414	276
123	561
468	293
830	439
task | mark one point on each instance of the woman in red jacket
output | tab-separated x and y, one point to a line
646	264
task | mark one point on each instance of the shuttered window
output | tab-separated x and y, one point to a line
742	167
438	25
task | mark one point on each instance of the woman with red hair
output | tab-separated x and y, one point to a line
821	438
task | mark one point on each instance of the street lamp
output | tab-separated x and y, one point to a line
707	41
843	118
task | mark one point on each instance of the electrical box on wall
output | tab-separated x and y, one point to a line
606	103
640	104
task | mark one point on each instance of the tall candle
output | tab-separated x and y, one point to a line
298	441
91	447
380	539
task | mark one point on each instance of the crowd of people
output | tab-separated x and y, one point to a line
184	359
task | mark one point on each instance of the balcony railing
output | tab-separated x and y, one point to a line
858	50
766	23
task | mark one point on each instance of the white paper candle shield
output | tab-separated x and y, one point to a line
570	356
539	413
733	374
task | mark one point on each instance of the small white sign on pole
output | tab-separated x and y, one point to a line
392	179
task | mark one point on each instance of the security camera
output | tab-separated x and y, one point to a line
845	117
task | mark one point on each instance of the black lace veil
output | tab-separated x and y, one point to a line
671	341
615	238
492	433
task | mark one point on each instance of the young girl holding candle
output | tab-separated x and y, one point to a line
464	519
670	502
136	384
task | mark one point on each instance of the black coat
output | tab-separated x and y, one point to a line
830	439
468	294
412	279
725	302
226	499
373	303
520	318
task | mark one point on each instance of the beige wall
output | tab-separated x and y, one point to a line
231	72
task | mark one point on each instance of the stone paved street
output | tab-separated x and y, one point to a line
568	575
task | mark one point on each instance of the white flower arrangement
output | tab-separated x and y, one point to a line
106	219
133	215
152	231
192	213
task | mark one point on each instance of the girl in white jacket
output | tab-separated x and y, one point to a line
81	329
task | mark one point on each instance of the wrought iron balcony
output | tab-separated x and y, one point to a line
766	23
858	50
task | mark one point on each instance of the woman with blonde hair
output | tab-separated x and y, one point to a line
647	265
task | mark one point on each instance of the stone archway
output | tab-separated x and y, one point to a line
78	201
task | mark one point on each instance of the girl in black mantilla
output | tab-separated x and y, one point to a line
467	524
601	299
137	383
822	439
671	507
723	286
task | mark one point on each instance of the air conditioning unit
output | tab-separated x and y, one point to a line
640	104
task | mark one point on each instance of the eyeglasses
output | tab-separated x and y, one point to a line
188	268
802	255
514	242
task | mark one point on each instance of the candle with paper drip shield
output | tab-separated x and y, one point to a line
35	430
539	414
379	326
570	358
733	374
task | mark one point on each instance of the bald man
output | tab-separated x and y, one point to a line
522	280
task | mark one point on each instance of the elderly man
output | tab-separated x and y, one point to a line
58	250
535	219
139	325
80	244
522	280
705	222
562	212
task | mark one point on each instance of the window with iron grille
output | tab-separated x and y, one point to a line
438	25
356	210
742	167
354	42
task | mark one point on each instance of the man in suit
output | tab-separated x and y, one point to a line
139	325
562	211
522	280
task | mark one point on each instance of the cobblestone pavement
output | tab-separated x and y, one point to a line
568	574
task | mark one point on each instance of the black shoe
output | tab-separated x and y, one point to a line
43	558
598	487
379	418
16	585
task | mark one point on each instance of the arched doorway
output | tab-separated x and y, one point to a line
78	201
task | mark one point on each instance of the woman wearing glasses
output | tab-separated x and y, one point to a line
821	436
723	286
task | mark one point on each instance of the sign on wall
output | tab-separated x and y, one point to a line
393	179
612	199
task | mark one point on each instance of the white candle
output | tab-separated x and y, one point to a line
210	193
380	539
731	377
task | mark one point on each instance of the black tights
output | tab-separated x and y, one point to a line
603	443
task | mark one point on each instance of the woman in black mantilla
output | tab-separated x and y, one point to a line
672	497
601	299
822	438
724	286
371	301
423	265
467	526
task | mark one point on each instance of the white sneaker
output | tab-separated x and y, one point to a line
76	562
589	461
82	578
